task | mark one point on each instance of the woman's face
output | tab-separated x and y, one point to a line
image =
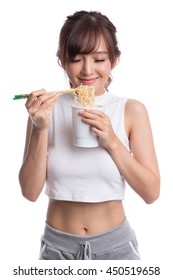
90	69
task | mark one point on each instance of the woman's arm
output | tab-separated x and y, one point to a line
139	169
33	170
32	174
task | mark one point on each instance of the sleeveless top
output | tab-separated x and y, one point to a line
83	174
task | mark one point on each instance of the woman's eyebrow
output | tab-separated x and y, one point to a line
101	52
95	52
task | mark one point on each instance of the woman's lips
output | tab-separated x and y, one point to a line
88	81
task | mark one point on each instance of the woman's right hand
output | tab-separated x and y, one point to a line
39	105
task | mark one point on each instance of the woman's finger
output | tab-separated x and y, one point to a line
37	97
33	96
91	112
42	105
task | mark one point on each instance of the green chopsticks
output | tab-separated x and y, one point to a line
20	96
77	90
24	96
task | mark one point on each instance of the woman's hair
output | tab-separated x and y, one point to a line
82	32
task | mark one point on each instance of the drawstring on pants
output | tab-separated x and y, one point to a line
84	252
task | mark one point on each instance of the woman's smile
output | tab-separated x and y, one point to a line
85	81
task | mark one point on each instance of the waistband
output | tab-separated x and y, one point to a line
101	243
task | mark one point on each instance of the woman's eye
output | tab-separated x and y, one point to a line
74	60
99	60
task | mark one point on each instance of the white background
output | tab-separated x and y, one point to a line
29	37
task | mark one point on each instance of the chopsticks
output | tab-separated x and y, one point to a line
23	96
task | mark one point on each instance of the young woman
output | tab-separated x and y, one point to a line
86	186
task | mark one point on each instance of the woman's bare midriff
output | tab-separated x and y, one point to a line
84	218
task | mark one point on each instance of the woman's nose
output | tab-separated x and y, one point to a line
87	68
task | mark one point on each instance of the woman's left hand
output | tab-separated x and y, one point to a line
100	125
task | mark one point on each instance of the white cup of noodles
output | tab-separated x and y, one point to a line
82	135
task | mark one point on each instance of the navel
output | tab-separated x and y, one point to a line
84	230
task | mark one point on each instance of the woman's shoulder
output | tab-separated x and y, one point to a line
135	107
136	115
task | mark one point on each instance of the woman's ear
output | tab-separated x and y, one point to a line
61	64
115	62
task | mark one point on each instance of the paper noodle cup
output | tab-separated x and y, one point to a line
82	135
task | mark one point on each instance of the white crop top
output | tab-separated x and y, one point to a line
83	174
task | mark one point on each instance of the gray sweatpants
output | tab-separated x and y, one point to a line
117	244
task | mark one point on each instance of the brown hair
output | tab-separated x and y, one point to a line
81	33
